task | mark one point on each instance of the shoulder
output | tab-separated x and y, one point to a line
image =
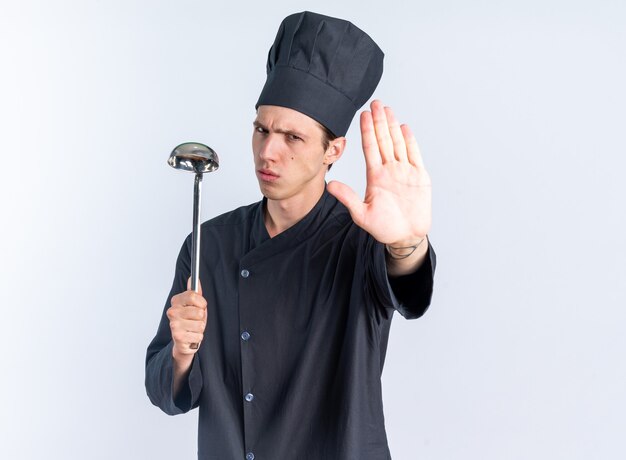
336	212
337	225
240	216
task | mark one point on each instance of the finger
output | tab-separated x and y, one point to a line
381	127
349	199
196	313
186	325
189	338
412	149
189	299
399	145
195	299
190	313
369	142
178	316
186	348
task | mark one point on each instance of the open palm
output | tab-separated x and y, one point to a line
397	203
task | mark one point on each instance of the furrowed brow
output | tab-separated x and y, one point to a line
294	132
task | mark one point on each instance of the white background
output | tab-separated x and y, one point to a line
519	110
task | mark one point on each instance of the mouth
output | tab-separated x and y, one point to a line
266	175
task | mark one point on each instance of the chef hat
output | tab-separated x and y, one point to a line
324	67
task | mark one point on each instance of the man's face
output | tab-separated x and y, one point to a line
288	153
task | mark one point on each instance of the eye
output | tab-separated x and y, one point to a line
293	137
258	129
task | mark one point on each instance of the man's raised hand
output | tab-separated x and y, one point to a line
396	209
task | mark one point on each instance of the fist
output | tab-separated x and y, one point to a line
188	317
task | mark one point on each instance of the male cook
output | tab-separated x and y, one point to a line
299	289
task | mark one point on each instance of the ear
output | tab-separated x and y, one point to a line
334	151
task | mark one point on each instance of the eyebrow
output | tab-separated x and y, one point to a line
258	124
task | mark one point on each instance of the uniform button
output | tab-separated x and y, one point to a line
245	335
245	273
249	397
249	456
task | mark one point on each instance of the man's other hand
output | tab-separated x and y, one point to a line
188	317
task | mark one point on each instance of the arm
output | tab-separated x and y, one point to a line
396	209
404	258
173	374
413	291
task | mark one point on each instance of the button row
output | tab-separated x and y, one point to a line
245	336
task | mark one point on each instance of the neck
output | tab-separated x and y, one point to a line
283	214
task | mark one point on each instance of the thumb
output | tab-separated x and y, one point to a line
349	199
199	285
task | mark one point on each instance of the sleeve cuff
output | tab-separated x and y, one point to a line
160	383
412	293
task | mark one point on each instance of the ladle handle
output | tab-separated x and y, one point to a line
195	240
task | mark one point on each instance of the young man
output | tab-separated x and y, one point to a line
298	290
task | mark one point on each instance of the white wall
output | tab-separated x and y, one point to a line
519	110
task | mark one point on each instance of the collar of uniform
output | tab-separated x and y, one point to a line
263	246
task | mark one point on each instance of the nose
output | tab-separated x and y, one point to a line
268	147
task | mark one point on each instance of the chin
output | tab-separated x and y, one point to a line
270	192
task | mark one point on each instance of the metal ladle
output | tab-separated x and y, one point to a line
198	158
